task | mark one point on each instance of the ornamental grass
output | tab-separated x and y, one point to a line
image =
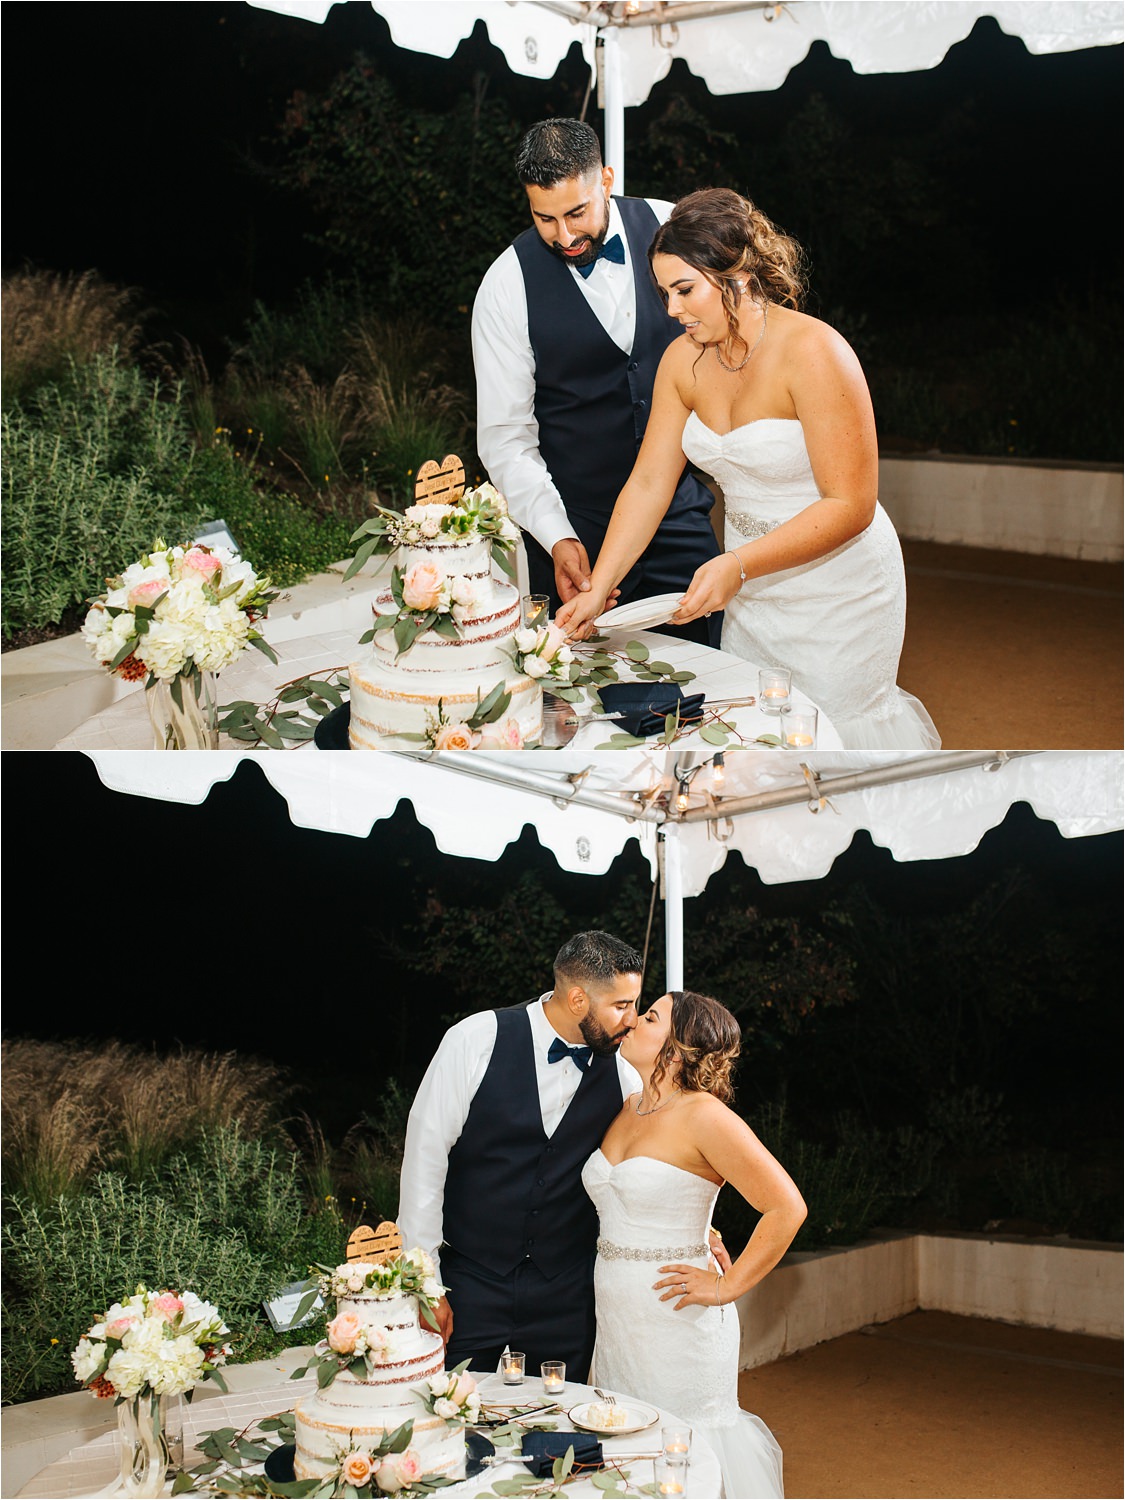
49	321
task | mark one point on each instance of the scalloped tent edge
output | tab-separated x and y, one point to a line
787	818
734	46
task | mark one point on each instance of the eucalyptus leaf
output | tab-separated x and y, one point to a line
714	734
621	742
681	677
663	667
260	643
637	651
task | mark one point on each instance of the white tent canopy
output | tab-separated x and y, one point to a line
788	817
735	46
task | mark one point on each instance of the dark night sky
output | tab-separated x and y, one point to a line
130	153
224	925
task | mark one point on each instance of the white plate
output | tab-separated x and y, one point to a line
637	1418
642	614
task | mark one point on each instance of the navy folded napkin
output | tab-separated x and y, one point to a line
643	706
540	1449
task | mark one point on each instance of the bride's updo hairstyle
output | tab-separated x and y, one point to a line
706	1039
725	236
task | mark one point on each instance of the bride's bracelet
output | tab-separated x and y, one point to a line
741	569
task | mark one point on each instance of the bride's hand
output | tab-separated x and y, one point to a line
578	615
691	1285
711	589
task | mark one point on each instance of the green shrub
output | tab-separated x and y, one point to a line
845	1190
227	1220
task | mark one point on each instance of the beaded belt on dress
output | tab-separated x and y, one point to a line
752	526
609	1251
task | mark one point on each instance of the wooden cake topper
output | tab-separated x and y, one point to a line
440	484
375	1246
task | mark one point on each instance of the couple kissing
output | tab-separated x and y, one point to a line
563	1157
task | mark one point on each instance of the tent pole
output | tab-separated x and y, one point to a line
673	907
558	789
832	786
614	143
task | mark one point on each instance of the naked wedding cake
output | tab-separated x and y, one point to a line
442	670
380	1369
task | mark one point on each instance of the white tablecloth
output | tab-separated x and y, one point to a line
125	724
90	1468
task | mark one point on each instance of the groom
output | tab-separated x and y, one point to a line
512	1104
568	329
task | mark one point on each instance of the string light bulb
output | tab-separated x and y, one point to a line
682	795
719	776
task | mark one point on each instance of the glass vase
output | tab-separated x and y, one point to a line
150	1437
185	712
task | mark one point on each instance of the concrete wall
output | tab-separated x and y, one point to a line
818	1295
1015	506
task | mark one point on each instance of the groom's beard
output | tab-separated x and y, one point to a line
592	250
600	1042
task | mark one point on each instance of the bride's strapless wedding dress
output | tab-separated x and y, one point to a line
838	622
650	1213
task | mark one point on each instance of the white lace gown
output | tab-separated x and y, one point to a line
651	1212
836	623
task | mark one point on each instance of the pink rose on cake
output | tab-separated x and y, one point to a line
398	1470
344	1332
424	587
454	737
356	1468
506	736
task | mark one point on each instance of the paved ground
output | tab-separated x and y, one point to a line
938	1405
1014	652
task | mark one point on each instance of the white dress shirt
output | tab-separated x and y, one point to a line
507	432
441	1108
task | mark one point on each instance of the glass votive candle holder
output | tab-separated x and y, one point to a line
512	1363
671	1474
774	686
676	1441
800	730
534	609
553	1372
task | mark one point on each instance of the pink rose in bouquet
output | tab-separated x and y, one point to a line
168	1305
198	563
463	1389
149	592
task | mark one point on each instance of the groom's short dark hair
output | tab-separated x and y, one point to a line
596	957
555	151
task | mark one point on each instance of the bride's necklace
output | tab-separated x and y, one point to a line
734	369
637	1110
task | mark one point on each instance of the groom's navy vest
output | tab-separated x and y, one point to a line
512	1193
592	400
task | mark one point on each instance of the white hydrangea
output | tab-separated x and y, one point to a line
86	1359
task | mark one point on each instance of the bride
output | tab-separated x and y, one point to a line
666	1329
774	406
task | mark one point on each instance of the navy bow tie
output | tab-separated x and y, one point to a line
613	249
558	1050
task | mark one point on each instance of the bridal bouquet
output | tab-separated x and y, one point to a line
153	1343
177	612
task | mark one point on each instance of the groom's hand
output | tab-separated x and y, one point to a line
444	1314
572	568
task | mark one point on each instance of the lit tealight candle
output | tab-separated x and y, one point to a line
671	1487
513	1362
553	1372
796	740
